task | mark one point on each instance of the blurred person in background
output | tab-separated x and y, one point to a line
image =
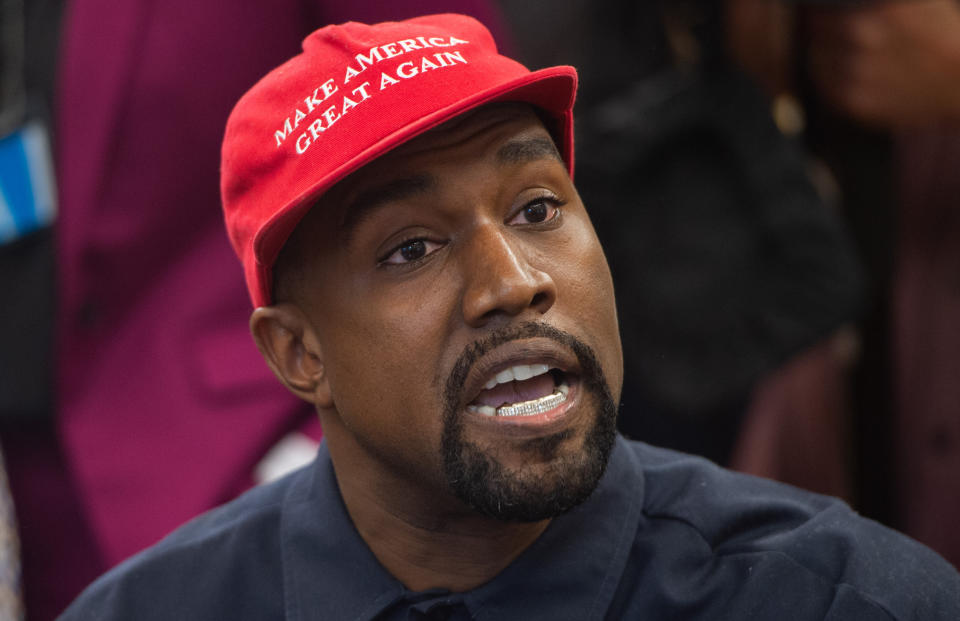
894	67
131	395
878	86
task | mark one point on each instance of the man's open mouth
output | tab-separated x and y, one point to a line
522	390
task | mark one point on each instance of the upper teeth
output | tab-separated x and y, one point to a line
519	372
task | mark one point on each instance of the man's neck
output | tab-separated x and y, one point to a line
428	541
456	553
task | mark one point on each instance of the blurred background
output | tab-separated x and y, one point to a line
775	183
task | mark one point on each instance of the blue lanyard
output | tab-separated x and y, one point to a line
27	197
27	189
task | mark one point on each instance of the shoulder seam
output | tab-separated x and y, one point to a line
835	585
865	597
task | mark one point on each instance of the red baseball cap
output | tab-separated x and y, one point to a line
354	93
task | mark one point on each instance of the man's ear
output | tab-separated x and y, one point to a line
289	344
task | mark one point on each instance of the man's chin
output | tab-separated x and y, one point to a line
535	480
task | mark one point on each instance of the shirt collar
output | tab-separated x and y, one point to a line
570	572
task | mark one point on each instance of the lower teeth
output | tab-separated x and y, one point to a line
536	406
529	408
525	408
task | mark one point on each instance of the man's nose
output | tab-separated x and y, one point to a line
500	280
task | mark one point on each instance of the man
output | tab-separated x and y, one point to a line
425	274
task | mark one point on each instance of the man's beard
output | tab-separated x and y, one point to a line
495	490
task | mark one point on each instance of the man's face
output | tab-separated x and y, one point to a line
466	317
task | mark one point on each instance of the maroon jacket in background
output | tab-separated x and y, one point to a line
165	406
927	340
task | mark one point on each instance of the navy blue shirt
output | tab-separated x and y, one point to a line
664	536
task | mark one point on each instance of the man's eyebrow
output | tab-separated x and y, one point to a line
527	150
379	196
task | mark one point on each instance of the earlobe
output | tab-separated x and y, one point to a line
289	344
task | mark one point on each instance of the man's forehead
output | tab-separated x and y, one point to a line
405	171
462	128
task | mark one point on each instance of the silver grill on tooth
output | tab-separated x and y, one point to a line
537	406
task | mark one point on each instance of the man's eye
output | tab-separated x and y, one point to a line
536	211
410	250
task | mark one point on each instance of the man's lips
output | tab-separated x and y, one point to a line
520	378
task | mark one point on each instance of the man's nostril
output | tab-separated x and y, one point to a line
539	299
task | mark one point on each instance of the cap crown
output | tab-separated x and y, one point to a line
355	92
